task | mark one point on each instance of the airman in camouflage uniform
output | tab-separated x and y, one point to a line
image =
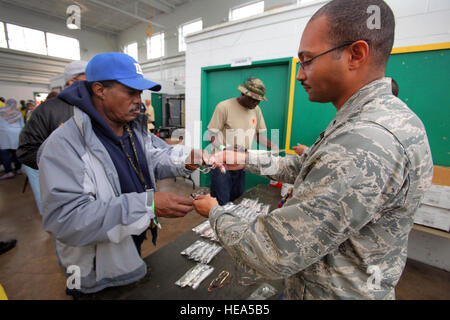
344	232
355	193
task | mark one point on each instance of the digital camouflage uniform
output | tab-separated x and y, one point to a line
355	193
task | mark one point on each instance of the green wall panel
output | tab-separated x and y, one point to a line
309	119
157	106
424	82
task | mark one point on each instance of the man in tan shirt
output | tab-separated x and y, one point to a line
233	125
150	112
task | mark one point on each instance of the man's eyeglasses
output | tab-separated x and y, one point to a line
345	44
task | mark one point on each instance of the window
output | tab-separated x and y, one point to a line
3	43
246	10
132	50
26	39
155	46
63	47
186	29
40	42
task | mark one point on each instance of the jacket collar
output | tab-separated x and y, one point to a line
369	92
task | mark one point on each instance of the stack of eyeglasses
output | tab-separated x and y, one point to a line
202	251
205	231
248	209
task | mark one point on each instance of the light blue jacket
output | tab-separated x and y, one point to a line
83	207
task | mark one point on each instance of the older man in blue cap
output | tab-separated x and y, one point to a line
97	177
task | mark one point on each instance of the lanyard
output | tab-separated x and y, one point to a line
138	172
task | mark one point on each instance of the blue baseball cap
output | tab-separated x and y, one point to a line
120	67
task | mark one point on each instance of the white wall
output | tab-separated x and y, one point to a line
91	41
20	91
164	70
276	34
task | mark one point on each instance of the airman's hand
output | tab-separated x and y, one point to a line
204	203
299	148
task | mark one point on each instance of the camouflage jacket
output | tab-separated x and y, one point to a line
344	232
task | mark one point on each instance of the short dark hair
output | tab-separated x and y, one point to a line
348	21
104	83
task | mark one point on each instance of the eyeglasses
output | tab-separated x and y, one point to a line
345	44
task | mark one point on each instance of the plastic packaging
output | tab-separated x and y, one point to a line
205	230
202	251
263	292
194	276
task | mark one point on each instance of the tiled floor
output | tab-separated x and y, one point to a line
31	271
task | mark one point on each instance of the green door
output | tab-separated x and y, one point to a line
157	106
220	83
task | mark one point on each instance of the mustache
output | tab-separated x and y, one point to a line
135	108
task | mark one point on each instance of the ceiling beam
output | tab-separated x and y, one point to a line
158	5
100	3
167	3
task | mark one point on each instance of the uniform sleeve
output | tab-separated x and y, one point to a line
347	182
284	169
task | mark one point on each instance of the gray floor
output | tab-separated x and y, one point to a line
31	271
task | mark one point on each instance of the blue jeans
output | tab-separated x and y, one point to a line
227	187
6	155
33	179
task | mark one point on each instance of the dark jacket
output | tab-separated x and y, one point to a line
43	121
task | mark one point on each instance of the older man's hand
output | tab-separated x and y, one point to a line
170	205
204	203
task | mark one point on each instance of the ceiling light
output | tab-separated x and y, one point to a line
73	13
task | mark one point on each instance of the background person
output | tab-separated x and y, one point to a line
233	125
42	122
11	122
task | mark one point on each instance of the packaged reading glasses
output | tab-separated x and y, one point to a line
248	210
205	231
195	276
202	251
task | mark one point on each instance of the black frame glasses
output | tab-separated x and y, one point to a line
346	43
